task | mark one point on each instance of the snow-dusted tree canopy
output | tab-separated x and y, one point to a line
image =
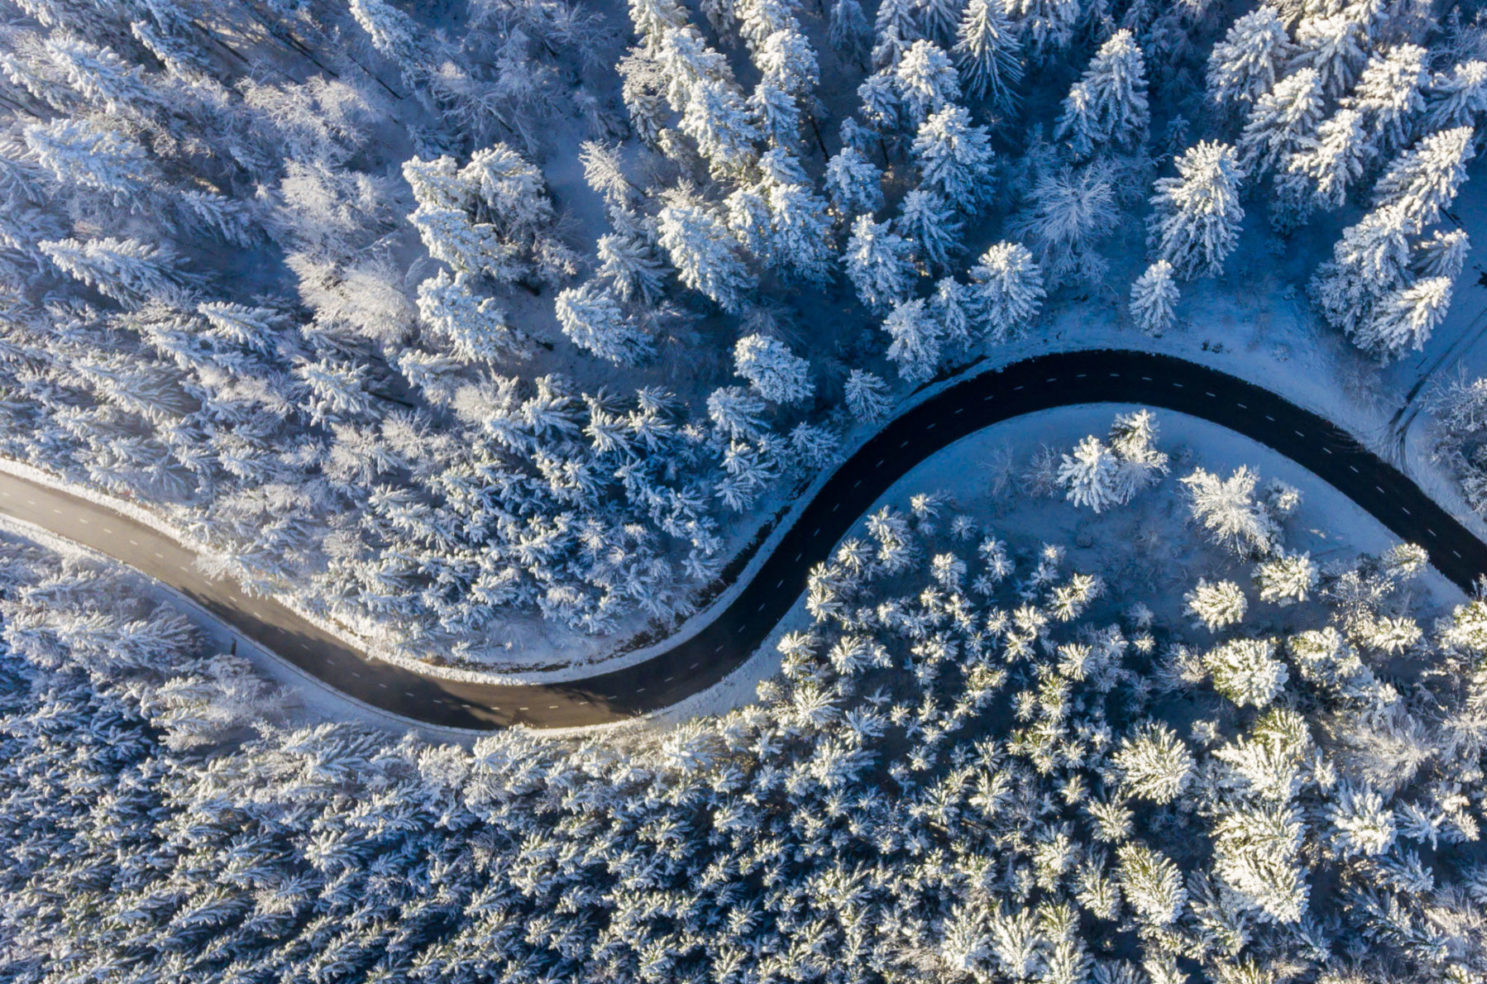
397	306
496	332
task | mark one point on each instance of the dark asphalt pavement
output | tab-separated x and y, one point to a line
1025	387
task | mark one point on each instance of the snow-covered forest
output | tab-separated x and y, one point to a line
450	320
978	762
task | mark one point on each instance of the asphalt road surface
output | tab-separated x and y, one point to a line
1025	387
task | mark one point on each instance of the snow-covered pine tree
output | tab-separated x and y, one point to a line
915	346
1246	671
926	80
1404	318
1423	181
932	226
1286	578
1215	604
1133	438
773	371
1152	884
1390	95
1281	122
1154	297
1324	167
938	19
1196	218
1154	763
854	184
704	252
878	264
1333	44
867	395
954	158
1231	513
849	32
1245	65
1048	25
592	318
1108	107
1071	210
475	327
127	270
736	412
1456	98
1370	260
1006	290
988	52
1442	255
1090	475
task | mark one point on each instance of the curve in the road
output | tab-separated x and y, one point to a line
1040	383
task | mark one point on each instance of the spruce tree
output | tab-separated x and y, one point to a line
1197	214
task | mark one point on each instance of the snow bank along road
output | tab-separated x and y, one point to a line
1025	387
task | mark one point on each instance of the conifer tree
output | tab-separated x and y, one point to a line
704	253
1108	105
1405	318
988	52
1154	763
854	184
1281	122
926	221
593	320
1197	214
1216	604
915	346
773	371
1245	65
1390	95
1324	167
954	157
1246	671
1423	181
1456	98
877	262
867	395
926	80
1154	297
1006	290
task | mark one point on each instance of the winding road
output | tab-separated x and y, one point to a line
733	634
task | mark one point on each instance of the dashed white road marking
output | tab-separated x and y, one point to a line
1354	470
988	398
1213	396
1430	531
158	554
836	506
134	543
1381	491
1298	433
959	411
929	427
82	519
1405	511
879	464
1115	375
857	483
1326	450
903	444
780	583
